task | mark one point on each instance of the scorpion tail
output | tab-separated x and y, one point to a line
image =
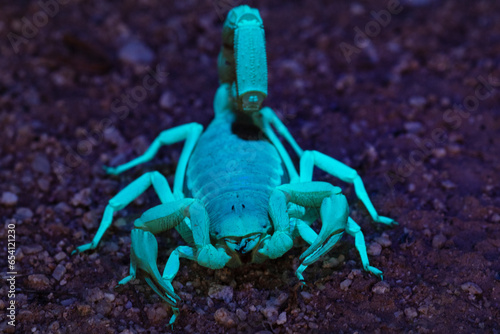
242	61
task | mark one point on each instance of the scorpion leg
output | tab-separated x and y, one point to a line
333	212
336	168
292	172
143	255
189	132
124	197
270	117
354	230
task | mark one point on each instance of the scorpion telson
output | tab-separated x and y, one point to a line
237	197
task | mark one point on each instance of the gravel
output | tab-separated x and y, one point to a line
394	111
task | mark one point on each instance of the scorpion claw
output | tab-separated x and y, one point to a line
213	258
278	245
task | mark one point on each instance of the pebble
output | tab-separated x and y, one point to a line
225	318
438	241
439	152
38	281
381	287
413	127
472	288
41	164
270	312
417	101
136	52
242	315
495	218
59	272
384	240
357	9
374	249
331	263
81	198
9	199
32	249
281	318
221	292
448	185
60	256
411	312
94	295
167	100
345	284
306	295
24	213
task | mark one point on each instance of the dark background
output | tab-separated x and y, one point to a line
414	109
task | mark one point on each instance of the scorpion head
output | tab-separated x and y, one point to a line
243	246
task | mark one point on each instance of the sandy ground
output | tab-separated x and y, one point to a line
405	92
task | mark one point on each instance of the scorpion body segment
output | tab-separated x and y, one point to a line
227	174
237	197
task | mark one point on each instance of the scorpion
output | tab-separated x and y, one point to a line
237	197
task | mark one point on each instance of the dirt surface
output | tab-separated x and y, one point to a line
407	96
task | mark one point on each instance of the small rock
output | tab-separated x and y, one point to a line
242	315
448	185
439	152
354	273
38	282
438	241
413	127
411	312
221	292
60	256
63	207
472	288
32	249
270	312
24	213
381	287
331	263
93	295
281	318
81	198
156	315
136	52
374	249
384	240
41	164
225	318
59	272
417	101
167	100
345	284
306	295
357	9
9	199
495	218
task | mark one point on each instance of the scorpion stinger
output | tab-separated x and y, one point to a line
242	60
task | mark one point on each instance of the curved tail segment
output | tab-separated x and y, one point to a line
242	60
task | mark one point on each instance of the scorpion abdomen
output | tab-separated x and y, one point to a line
233	173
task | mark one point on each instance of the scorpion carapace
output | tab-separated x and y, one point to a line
236	196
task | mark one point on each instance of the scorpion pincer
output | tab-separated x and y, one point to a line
237	198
